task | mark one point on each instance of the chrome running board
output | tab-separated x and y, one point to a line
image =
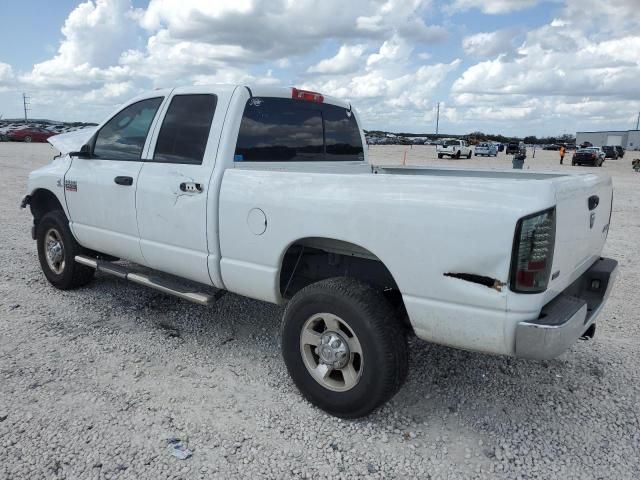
160	284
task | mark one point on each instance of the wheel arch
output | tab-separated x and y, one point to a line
43	201
311	259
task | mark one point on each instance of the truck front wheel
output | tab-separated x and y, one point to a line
344	346
57	250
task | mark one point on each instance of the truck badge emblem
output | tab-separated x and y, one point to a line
71	185
592	219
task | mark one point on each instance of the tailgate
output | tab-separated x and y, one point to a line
583	211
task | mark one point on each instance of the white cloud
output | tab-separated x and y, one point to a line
346	60
268	30
493	6
94	37
6	76
489	44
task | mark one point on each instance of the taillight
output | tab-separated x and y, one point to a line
533	252
306	95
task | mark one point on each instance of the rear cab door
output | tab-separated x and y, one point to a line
173	193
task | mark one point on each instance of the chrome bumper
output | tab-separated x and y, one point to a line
568	316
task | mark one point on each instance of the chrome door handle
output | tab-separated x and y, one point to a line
191	187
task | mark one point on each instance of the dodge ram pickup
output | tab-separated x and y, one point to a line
267	192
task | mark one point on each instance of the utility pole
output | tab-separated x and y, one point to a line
638	121
27	106
438	119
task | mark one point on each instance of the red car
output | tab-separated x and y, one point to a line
30	135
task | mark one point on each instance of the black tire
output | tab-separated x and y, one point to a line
27	139
71	274
378	330
439	155
458	154
469	155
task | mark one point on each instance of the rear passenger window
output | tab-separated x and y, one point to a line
185	129
282	129
279	130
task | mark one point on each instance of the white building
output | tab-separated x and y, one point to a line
628	139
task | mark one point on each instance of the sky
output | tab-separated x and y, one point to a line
516	67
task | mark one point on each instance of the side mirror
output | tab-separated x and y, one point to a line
85	152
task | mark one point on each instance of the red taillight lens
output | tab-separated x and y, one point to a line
306	95
533	252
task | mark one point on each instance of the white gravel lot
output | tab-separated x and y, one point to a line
93	381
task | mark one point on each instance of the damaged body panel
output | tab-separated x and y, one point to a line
479	279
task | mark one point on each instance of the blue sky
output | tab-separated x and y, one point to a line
509	66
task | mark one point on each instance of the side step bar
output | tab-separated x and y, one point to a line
160	284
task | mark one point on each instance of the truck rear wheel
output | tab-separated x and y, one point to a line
344	346
469	155
458	154
439	155
57	250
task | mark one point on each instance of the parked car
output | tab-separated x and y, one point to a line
515	148
610	152
620	151
454	149
588	156
222	191
551	147
486	149
33	134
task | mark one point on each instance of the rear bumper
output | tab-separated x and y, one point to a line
568	316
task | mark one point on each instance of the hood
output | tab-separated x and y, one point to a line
72	141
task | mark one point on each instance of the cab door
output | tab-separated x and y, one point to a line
100	190
173	192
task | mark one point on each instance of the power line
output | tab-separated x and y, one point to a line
27	106
438	118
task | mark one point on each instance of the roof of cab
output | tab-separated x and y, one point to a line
258	91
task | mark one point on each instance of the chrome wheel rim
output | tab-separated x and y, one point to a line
331	352
54	251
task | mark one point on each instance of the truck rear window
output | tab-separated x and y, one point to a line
286	130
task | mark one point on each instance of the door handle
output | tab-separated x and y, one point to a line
128	181
593	202
192	187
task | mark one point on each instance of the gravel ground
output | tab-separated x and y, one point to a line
93	381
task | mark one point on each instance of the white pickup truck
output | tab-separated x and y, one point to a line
268	193
454	149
